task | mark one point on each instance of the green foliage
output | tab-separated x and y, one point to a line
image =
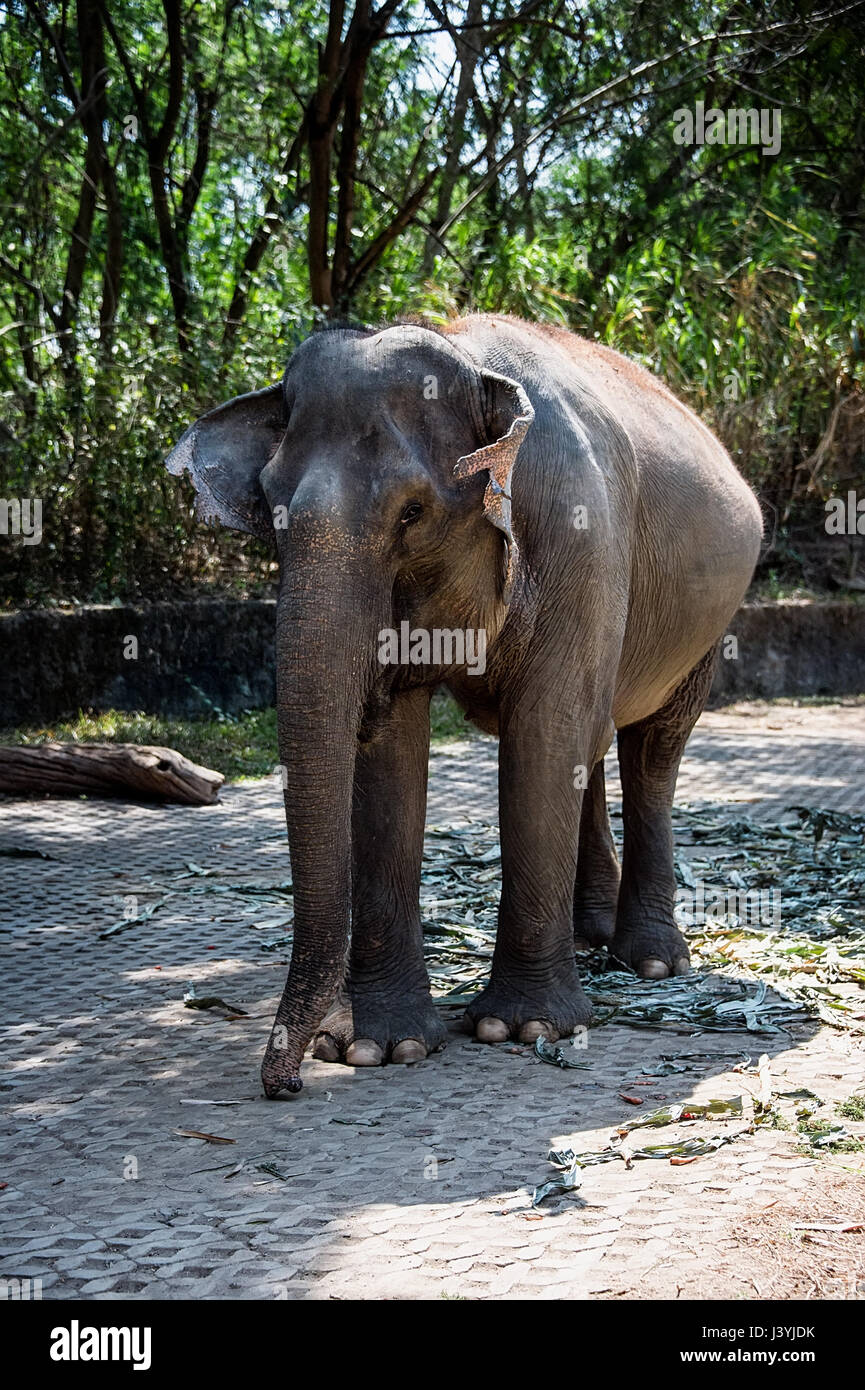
144	279
238	747
447	720
821	1136
853	1108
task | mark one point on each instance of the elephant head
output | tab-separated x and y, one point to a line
381	466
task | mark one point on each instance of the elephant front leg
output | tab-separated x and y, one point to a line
384	1011
534	987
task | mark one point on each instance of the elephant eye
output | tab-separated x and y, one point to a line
411	513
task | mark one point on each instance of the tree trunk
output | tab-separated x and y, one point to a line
108	769
468	52
347	162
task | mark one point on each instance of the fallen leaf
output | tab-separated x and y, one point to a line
186	1101
211	1001
568	1180
556	1056
273	1170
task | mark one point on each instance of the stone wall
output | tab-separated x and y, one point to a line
794	648
192	659
198	657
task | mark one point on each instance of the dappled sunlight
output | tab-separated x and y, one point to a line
425	1173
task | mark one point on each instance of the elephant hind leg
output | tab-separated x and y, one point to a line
597	888
650	751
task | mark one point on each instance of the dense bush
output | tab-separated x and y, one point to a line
185	190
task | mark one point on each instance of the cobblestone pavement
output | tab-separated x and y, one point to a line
395	1182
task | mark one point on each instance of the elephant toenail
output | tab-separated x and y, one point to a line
536	1028
683	965
364	1053
653	969
491	1030
409	1050
325	1049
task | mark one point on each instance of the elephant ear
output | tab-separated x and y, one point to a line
508	414
224	453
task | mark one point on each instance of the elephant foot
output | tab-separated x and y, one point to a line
652	947
593	927
525	1010
367	1027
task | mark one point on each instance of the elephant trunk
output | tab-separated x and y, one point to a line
328	617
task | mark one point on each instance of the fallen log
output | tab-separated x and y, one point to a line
107	769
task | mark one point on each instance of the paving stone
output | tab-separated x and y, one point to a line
101	1053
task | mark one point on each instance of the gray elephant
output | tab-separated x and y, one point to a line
538	524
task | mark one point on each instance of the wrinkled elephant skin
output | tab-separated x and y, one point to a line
540	525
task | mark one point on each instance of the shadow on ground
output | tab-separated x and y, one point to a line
385	1182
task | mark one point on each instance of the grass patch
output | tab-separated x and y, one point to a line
240	748
853	1108
815	701
821	1136
772	589
447	720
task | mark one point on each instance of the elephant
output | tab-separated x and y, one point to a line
540	491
